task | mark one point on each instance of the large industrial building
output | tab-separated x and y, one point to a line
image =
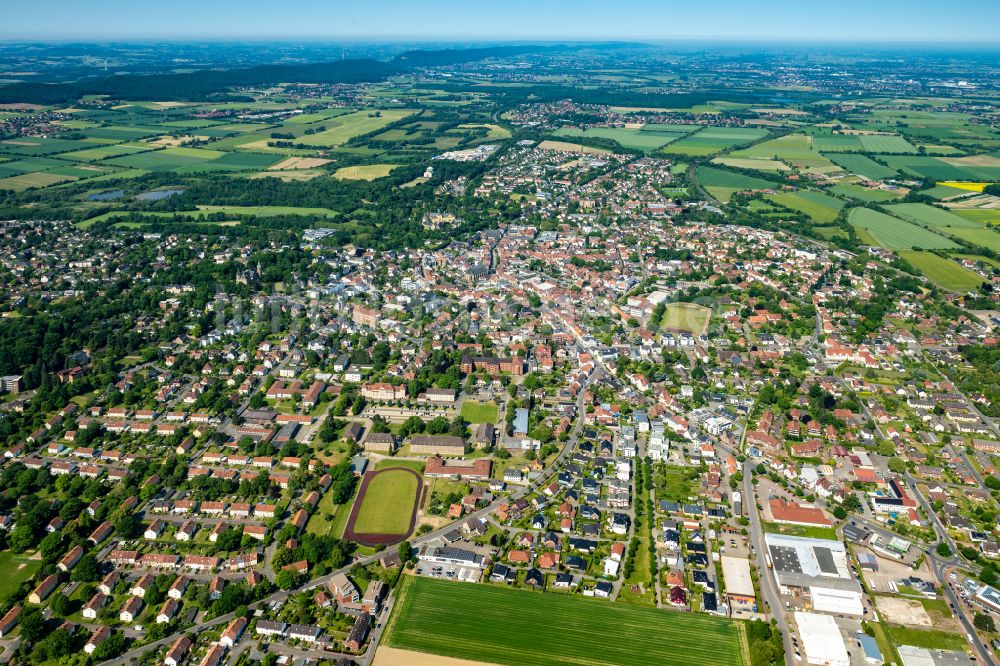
818	571
822	640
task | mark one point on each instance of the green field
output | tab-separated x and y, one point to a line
797	149
686	317
724	184
818	206
17	569
479	412
861	165
988	238
895	234
864	194
929	216
366	172
104	152
634	139
714	139
205	211
503	626
751	163
343	128
937	168
387	504
166	159
985	216
808	531
29	180
930	639
942	272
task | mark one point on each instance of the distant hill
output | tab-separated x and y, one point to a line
205	85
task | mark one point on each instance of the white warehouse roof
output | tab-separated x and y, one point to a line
821	640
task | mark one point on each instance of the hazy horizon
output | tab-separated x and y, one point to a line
852	22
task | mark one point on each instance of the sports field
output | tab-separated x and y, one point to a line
942	272
818	206
686	317
479	412
724	184
366	172
504	626
387	503
342	129
17	569
895	234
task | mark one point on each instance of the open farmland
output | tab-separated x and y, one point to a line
865	194
861	165
818	206
929	216
984	216
988	238
724	184
568	147
634	139
942	272
472	621
342	129
895	234
712	140
942	168
796	149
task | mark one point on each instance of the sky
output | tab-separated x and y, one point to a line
735	20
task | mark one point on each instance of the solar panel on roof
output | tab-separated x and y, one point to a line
824	557
786	559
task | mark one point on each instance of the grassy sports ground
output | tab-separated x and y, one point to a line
688	317
17	569
896	234
942	272
385	506
479	412
504	626
366	172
